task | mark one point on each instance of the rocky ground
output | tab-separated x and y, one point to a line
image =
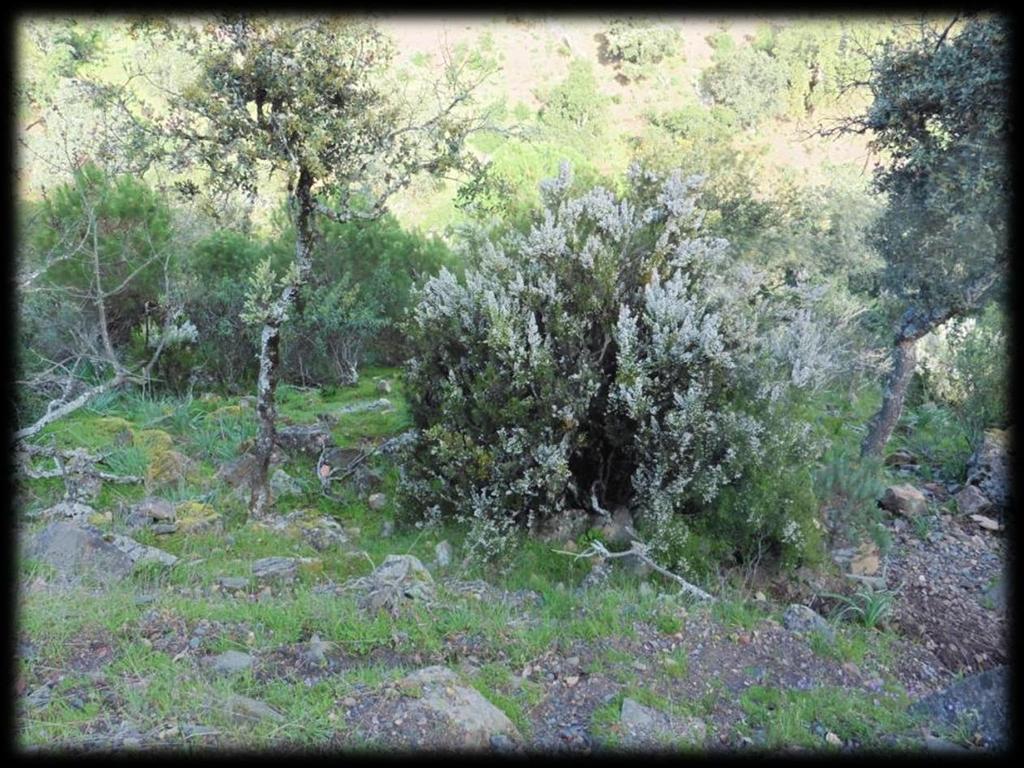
173	626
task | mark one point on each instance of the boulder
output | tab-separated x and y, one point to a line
168	468
377	501
564	527
803	620
980	702
905	500
196	517
898	458
141	553
971	501
458	716
400	578
443	554
74	511
319	531
283	484
304	438
384	386
79	551
283	569
231	662
239	473
989	467
644	727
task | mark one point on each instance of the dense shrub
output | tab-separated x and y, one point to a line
614	356
636	44
576	103
748	81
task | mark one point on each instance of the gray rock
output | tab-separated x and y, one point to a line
904	500
277	568
980	702
161	529
381	404
989	467
155	509
39	698
283	484
398	442
377	501
443	554
565	527
384	386
231	662
233	583
316	651
398	579
645	727
74	511
305	438
971	501
141	553
468	721
79	551
387	530
802	620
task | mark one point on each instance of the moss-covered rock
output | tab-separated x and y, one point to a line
196	517
168	467
227	411
100	518
153	440
107	428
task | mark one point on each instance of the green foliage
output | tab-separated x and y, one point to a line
869	606
635	45
746	80
941	115
576	103
534	381
850	488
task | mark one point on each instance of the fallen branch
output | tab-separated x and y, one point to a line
639	550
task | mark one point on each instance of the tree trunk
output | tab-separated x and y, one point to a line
270	347
904	359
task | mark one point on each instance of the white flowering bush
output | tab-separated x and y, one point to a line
614	356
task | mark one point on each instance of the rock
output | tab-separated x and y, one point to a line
156	509
936	491
398	442
79	551
319	531
283	568
168	468
866	561
900	457
384	386
316	651
397	579
248	402
644	727
979	702
231	662
387	530
461	717
381	404
803	620
196	517
995	596
39	698
905	500
283	484
599	573
987	523
443	554
619	530
377	501
567	526
971	501
241	472
154	440
989	467
141	553
246	710
161	529
68	510
233	583
306	438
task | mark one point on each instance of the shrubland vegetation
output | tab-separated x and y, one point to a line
699	339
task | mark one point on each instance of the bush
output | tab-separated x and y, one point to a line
612	356
637	44
748	81
576	103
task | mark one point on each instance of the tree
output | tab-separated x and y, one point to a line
314	101
940	111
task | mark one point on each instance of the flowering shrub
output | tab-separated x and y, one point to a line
613	356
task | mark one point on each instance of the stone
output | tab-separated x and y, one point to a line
155	509
247	710
443	554
803	620
196	517
233	583
283	484
866	561
987	523
644	727
154	440
283	568
387	529
304	438
905	500
168	468
398	579
989	467
319	531
380	404
971	501
74	511
162	529
900	457
980	702
141	553
463	718
564	527
316	651
384	386
78	551
377	501
241	472
231	662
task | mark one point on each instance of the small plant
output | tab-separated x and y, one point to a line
870	607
